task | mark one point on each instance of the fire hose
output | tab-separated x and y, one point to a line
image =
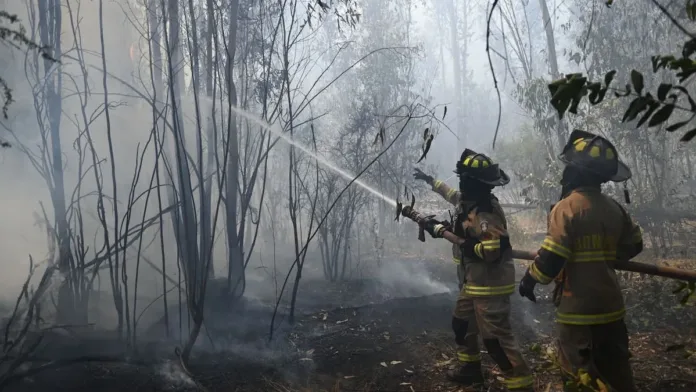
629	266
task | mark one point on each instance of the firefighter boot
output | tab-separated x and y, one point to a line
466	374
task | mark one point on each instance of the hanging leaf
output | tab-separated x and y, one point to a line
609	77
676	126
561	106
663	90
413	200
597	96
425	134
399	207
661	116
380	135
691	9
624	94
426	148
445	113
594	89
575	102
684	91
637	81
659	62
688	136
688	49
556	85
634	108
692	103
565	91
655	61
652	106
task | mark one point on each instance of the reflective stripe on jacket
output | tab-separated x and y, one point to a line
495	274
590	231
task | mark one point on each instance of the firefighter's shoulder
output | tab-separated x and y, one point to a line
573	203
561	216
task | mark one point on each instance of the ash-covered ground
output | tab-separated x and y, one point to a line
373	334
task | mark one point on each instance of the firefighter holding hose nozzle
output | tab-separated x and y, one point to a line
453	197
487	273
588	234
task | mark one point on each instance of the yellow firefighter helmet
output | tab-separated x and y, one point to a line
481	168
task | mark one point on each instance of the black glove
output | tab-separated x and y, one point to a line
468	249
527	285
435	228
419	175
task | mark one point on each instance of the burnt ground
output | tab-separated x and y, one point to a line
391	344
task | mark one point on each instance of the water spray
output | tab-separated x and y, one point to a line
275	129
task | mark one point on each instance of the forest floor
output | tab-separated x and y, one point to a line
390	344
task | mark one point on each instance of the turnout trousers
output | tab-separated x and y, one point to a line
489	317
472	327
598	350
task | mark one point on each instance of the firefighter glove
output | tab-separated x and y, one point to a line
419	175
527	285
435	228
471	248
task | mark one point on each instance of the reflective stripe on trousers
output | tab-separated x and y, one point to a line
465	358
513	383
590	319
486	291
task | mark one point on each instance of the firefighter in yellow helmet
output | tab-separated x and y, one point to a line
588	233
488	274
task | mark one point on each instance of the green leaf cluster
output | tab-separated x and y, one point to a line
654	109
688	288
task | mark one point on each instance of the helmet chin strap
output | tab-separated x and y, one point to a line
627	196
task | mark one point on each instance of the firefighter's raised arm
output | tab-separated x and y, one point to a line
448	193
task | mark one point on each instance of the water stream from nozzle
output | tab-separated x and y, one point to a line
275	129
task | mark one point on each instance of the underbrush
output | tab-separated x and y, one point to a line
652	302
